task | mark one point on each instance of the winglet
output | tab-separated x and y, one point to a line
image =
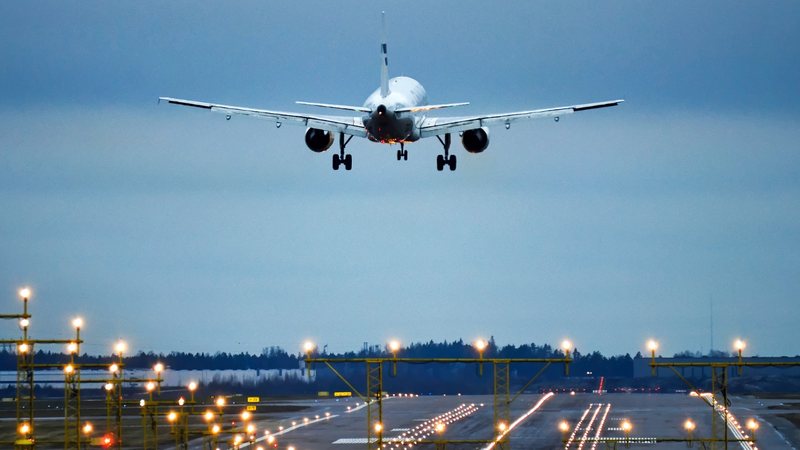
384	58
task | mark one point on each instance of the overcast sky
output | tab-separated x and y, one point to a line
177	230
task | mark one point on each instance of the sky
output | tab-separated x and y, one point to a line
177	230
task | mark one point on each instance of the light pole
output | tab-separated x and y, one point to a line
566	346
652	346
689	426
394	347
563	426
480	345
626	428
739	345
308	349
440	442
752	425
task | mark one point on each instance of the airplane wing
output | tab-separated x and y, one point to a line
434	126
337	124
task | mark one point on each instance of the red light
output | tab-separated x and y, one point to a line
108	441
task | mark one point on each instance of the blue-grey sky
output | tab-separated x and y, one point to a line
177	230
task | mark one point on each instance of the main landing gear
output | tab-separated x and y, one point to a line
447	159
342	158
402	153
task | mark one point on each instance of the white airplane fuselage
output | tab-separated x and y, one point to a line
387	126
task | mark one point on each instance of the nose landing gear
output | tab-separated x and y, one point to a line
342	157
447	159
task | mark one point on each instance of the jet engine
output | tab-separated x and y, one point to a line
475	141
318	140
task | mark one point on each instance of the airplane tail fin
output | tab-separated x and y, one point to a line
384	59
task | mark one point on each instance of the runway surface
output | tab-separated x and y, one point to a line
592	418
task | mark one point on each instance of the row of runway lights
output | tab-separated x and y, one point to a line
437	425
751	423
689	425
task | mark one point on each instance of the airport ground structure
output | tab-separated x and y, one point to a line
457	395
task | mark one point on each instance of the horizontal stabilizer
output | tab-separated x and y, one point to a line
422	108
344	107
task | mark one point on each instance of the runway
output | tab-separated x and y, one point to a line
592	419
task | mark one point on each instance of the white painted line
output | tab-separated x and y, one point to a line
292	428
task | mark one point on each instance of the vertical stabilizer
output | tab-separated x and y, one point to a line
384	58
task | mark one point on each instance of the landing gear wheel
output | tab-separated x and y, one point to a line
348	162
405	155
399	155
336	162
439	162
452	162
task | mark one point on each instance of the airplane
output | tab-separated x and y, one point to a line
395	113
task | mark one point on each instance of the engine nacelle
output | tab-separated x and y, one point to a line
318	140
475	141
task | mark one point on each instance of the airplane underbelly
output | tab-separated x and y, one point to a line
398	130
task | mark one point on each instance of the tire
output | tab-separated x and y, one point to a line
452	162
348	162
336	162
405	155
439	162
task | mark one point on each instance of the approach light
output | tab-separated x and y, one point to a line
251	428
24	323
181	401
87	428
378	427
308	346
141	403
72	347
25	428
120	347
23	348
220	402
208	416
113	368
172	416
192	386
158	368
215	429
689	425
480	344
652	345
739	345
752	425
563	426
439	427
77	323
25	293
150	386
502	426
69	369
109	386
566	345
626	426
246	416
394	345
